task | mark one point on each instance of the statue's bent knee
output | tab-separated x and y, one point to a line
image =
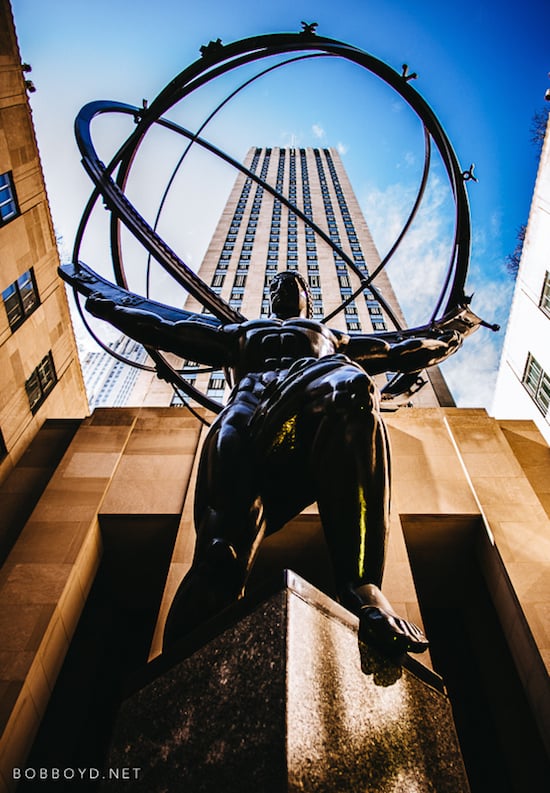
353	392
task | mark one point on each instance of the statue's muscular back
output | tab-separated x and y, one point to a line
272	345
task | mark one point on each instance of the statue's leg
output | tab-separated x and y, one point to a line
352	469
229	523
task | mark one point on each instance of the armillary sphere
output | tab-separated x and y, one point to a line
451	309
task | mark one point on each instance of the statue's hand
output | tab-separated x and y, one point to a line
452	338
99	306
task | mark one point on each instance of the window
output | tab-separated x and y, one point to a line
41	382
177	401
537	383
21	299
8	200
544	302
216	384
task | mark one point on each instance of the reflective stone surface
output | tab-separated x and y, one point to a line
287	700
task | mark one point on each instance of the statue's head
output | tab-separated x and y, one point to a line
290	296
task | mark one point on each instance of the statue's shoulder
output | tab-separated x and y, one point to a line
311	326
259	324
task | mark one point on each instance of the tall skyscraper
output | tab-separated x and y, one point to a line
109	382
258	235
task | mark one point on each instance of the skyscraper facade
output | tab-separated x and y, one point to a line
109	382
259	235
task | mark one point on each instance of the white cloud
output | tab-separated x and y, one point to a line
417	272
418	267
471	373
342	148
318	131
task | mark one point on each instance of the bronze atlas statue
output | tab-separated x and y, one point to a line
303	422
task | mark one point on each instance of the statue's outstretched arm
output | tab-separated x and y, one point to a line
412	355
187	338
419	353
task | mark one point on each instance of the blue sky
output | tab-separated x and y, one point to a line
483	67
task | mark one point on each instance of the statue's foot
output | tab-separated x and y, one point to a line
390	633
381	626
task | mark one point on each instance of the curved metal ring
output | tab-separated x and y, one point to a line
216	61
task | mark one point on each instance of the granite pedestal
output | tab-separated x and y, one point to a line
286	699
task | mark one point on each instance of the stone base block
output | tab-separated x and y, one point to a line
286	699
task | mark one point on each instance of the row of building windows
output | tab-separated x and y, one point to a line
274	238
535	380
311	245
21	299
373	306
350	312
229	244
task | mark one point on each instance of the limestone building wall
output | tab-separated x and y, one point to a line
470	493
39	371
